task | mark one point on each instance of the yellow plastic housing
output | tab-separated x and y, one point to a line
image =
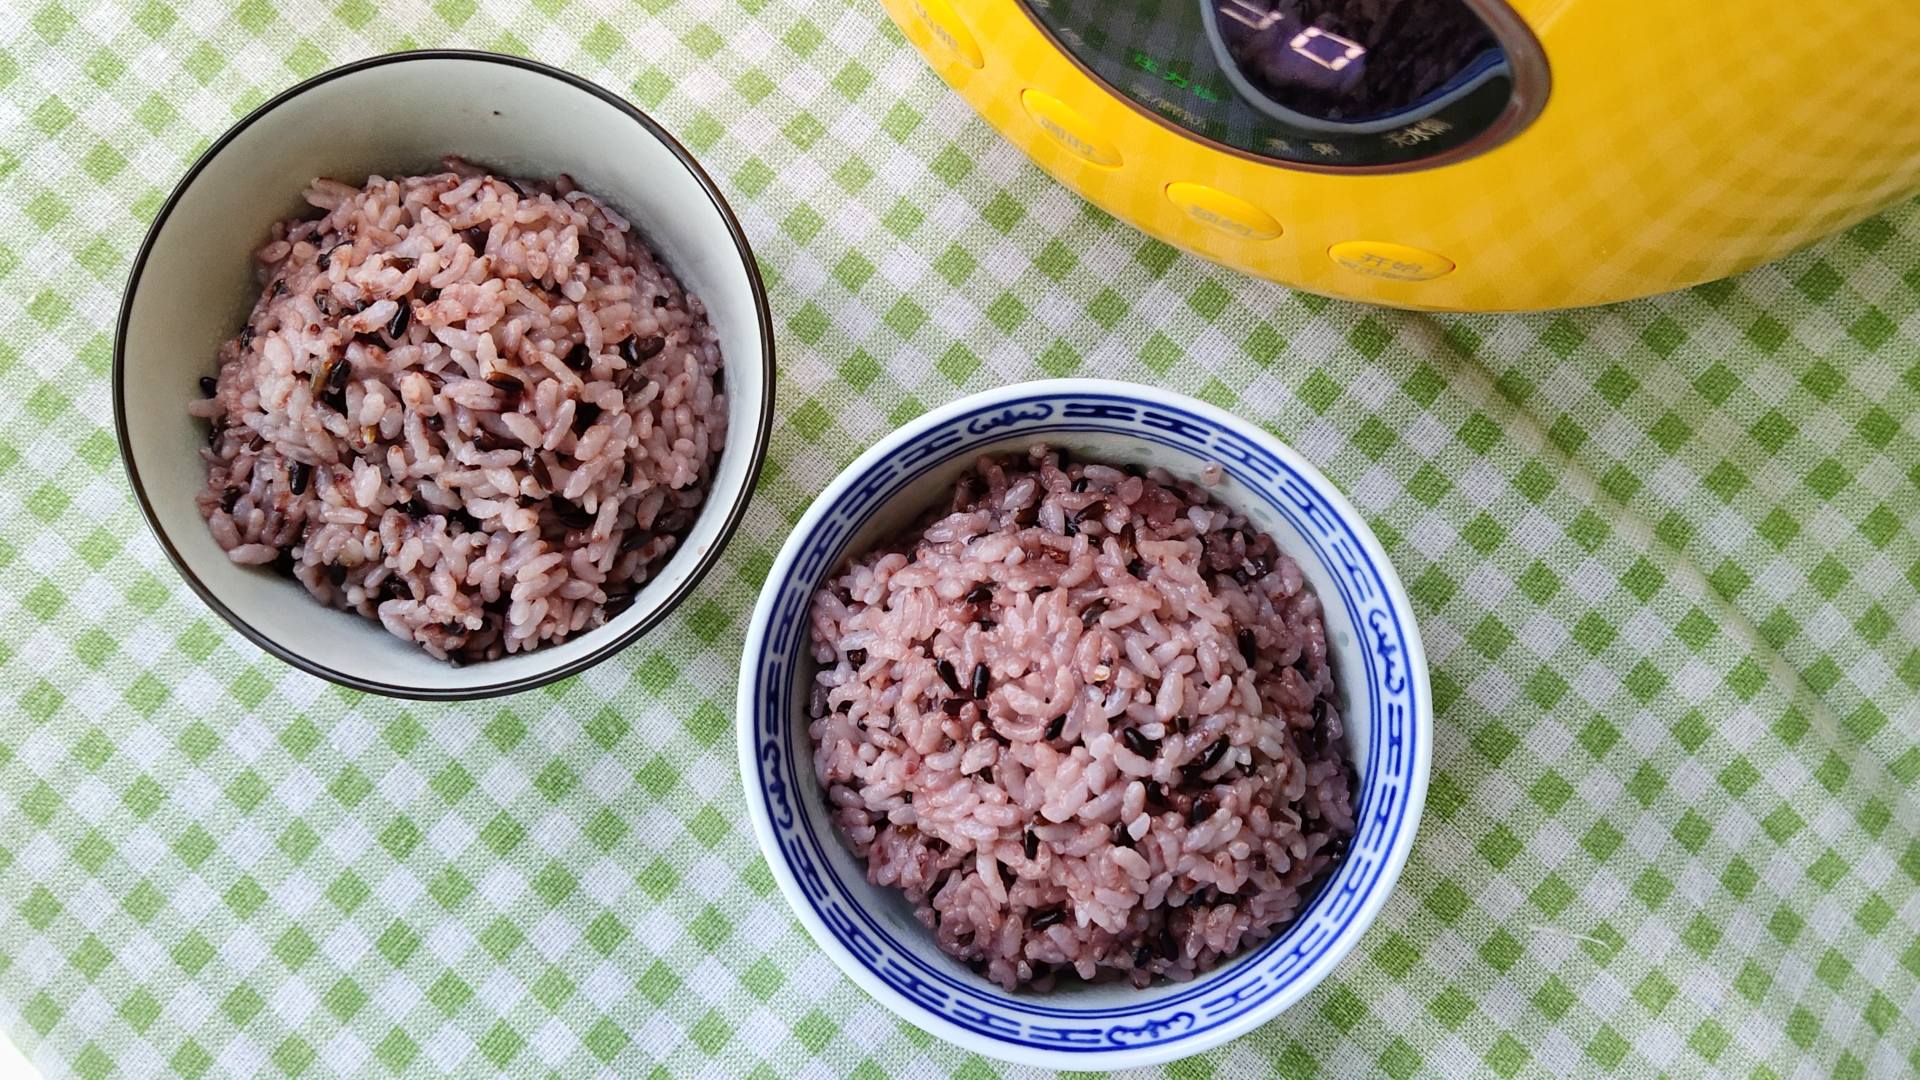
1680	143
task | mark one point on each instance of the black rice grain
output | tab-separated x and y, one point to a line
1140	744
1207	759
1092	615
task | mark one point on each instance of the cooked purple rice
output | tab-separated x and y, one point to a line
405	417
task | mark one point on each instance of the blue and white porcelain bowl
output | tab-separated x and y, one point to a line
870	931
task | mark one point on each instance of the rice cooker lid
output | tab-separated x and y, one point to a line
1365	85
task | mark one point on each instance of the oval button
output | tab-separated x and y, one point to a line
1395	262
1228	213
1071	130
944	24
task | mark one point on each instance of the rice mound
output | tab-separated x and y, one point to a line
1083	717
473	407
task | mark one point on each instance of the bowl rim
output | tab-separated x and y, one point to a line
1393	862
763	317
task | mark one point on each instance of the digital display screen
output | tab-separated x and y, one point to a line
1324	82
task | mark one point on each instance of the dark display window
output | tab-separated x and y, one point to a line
1329	83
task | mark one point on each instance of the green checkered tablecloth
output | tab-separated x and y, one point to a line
1665	555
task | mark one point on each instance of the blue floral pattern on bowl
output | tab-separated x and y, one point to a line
1168	1021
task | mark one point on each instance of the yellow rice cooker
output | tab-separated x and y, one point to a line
1463	155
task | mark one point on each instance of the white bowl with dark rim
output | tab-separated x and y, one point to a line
193	285
1372	638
